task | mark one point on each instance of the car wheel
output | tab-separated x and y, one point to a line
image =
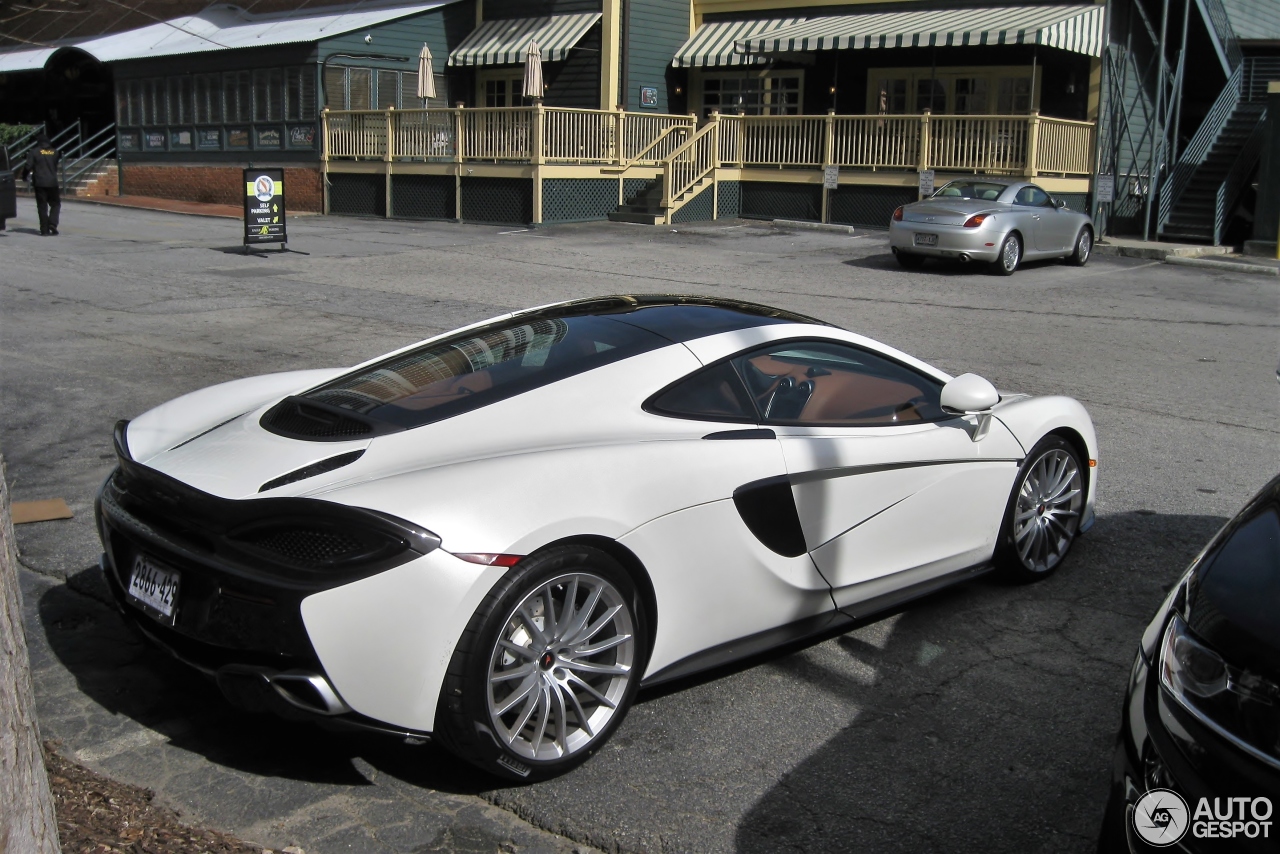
1084	248
1009	258
1043	515
547	667
910	260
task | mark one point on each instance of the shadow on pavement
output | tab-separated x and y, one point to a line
982	719
1007	746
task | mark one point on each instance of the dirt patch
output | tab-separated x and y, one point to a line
97	815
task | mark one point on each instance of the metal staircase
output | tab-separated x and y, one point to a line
1201	191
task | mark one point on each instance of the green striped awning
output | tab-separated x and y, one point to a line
1074	28
713	44
505	42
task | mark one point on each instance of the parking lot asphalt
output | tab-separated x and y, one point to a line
981	718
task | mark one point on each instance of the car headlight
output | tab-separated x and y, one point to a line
1238	705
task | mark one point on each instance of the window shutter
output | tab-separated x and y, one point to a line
335	88
361	89
388	89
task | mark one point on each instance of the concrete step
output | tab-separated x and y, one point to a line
636	217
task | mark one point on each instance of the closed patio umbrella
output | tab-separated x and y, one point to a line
426	78
533	72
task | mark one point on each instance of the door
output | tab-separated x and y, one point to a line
1046	222
890	490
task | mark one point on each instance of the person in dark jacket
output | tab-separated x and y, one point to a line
42	171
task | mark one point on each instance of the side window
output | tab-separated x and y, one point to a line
1032	197
714	394
836	385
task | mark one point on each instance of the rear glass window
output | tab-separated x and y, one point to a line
971	190
468	371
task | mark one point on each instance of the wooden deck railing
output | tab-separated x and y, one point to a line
1006	145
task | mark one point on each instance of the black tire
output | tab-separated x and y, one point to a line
1007	261
910	260
471	721
1042	518
1083	248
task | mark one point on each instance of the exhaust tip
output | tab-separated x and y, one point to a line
964	257
308	691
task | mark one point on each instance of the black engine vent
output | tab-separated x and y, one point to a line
313	470
300	419
307	546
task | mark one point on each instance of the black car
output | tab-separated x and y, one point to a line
8	188
1197	763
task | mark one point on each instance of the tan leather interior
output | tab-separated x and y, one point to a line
845	396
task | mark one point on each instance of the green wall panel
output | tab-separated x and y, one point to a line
655	29
578	199
699	209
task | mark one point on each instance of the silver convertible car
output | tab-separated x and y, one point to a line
1001	221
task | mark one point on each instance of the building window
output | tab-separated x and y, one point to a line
237	96
360	88
207	99
773	93
300	93
179	100
952	91
158	96
1015	95
497	88
268	95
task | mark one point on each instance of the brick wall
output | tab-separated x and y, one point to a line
216	184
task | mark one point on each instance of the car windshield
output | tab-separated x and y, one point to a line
471	370
970	190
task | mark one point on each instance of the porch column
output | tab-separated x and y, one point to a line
610	54
537	157
828	156
924	141
324	161
386	158
1033	143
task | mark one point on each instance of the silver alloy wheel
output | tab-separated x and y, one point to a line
1010	253
1047	515
1084	246
561	666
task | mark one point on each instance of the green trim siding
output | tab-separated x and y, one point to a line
497	9
655	29
441	29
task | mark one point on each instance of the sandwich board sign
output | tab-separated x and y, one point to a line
264	207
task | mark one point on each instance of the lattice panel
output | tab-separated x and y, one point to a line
357	195
730	200
633	187
867	206
578	199
1078	202
423	197
700	207
767	200
502	201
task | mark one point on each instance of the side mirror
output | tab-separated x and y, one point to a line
1060	204
969	393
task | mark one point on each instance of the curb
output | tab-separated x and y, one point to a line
815	226
1232	266
1158	253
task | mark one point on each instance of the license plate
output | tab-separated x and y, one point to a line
155	588
926	240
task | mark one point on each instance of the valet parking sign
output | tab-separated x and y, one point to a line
264	207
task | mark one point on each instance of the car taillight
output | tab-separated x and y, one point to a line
897	215
975	220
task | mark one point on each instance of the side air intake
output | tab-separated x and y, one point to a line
296	418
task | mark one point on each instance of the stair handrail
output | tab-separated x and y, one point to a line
19	148
95	149
68	137
1255	80
1193	155
700	165
1224	34
1233	184
639	157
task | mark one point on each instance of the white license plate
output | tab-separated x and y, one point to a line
155	588
926	240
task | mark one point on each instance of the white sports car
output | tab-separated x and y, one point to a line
496	536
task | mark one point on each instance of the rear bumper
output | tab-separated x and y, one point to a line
953	241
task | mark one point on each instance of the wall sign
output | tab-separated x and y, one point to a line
649	97
237	138
264	207
830	177
302	136
1104	188
926	183
210	138
129	141
180	139
267	138
153	140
